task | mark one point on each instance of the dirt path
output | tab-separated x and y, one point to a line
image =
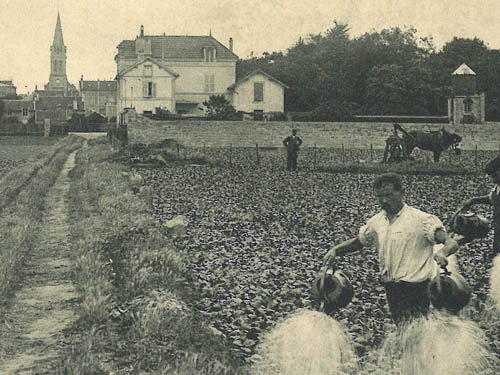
33	329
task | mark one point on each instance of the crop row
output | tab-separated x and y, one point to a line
256	238
312	158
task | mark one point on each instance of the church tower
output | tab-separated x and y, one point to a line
57	80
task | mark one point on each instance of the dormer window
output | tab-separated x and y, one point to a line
209	54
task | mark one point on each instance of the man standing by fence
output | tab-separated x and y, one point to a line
292	143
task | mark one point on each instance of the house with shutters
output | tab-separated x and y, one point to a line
177	73
258	93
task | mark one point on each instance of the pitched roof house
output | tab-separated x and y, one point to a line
258	92
177	73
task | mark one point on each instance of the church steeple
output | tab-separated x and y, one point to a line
58	35
58	80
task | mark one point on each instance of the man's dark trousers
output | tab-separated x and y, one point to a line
291	161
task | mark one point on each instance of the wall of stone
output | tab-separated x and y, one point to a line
271	134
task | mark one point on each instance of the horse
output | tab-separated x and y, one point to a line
435	141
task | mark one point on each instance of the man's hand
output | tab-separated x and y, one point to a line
329	257
466	205
440	260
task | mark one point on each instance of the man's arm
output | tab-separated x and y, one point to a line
449	248
299	142
483	199
345	247
285	142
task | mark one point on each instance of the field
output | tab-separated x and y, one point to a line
256	237
15	151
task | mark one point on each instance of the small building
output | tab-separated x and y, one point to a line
58	109
21	109
99	97
258	93
7	89
466	106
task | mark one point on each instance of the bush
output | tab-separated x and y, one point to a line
219	108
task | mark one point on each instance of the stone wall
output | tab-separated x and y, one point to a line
271	134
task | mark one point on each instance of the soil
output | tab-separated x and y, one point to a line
35	327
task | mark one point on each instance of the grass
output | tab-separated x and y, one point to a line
135	314
22	194
25	148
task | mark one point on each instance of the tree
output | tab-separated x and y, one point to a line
219	108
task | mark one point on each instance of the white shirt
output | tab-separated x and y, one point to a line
404	245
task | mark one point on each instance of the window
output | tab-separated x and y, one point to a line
149	89
258	91
25	112
209	83
209	54
148	70
468	105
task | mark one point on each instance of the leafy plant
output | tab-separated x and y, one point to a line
219	108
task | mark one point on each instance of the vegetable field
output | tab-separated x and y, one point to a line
257	235
321	157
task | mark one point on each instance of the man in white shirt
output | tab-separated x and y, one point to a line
404	238
492	168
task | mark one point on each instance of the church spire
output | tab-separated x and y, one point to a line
58	35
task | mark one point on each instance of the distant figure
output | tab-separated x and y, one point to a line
292	144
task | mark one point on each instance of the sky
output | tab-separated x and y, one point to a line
92	29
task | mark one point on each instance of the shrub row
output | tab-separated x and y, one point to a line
135	310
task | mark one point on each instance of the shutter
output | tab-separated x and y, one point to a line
154	90
145	89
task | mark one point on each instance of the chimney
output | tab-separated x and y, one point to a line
231	44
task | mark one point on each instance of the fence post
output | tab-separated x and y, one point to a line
315	156
230	155
449	157
475	158
342	153
204	154
178	151
257	153
371	152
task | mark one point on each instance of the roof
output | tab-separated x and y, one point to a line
98	85
255	72
464	70
50	102
178	47
6	83
128	68
58	36
17	104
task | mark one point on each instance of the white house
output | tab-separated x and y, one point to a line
147	85
258	92
177	73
